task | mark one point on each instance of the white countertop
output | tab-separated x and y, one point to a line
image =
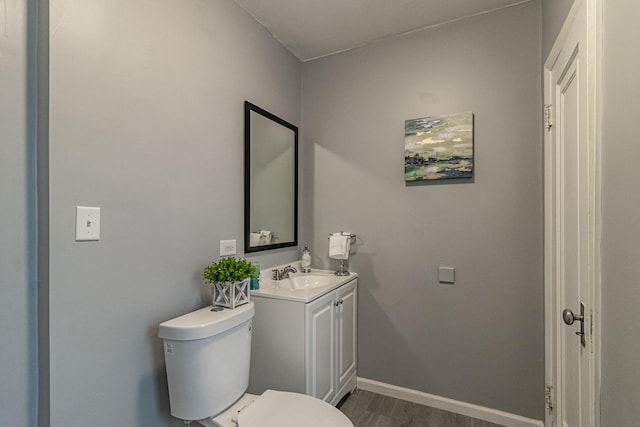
279	289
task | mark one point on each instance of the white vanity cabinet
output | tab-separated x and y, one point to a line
306	347
330	328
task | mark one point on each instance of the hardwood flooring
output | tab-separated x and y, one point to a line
367	409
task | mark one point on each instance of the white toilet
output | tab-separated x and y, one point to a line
207	355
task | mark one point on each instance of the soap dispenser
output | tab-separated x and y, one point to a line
305	262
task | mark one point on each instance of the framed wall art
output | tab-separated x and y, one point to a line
438	147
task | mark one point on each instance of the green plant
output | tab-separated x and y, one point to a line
228	270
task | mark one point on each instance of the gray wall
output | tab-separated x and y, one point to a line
480	340
147	123
621	210
17	220
554	12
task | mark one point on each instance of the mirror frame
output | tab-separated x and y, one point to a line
248	108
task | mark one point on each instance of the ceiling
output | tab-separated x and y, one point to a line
315	28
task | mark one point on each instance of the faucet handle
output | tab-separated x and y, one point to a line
275	274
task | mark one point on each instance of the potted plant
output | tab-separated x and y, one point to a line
229	278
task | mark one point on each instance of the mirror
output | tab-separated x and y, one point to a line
270	181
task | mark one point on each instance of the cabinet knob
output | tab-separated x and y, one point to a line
341	301
337	303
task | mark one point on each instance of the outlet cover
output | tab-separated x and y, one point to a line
227	247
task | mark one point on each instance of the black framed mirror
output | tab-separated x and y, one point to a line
270	181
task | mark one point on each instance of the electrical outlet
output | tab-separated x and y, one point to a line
227	247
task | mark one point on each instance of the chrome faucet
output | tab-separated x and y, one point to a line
282	274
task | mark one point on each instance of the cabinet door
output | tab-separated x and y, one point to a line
320	347
346	331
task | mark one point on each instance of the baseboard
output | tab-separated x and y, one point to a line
438	402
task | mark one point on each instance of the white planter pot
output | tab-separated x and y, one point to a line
230	294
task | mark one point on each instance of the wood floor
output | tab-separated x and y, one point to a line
367	409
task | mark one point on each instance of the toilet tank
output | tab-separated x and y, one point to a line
207	356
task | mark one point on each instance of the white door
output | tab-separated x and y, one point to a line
570	209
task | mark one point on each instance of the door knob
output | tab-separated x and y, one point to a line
569	317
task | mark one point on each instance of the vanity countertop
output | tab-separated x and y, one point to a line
302	287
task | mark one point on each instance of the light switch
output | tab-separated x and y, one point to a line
446	275
227	247
87	223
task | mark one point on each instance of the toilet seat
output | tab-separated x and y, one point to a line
278	409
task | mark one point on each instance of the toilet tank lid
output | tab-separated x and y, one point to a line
204	323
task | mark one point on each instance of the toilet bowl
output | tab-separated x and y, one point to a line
207	354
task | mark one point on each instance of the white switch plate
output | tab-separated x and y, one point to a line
227	247
87	223
446	274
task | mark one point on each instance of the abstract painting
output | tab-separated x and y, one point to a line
438	147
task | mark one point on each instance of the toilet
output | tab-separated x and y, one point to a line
207	354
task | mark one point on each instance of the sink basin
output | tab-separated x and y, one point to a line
300	287
305	281
309	281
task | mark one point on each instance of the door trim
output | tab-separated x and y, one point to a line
594	72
